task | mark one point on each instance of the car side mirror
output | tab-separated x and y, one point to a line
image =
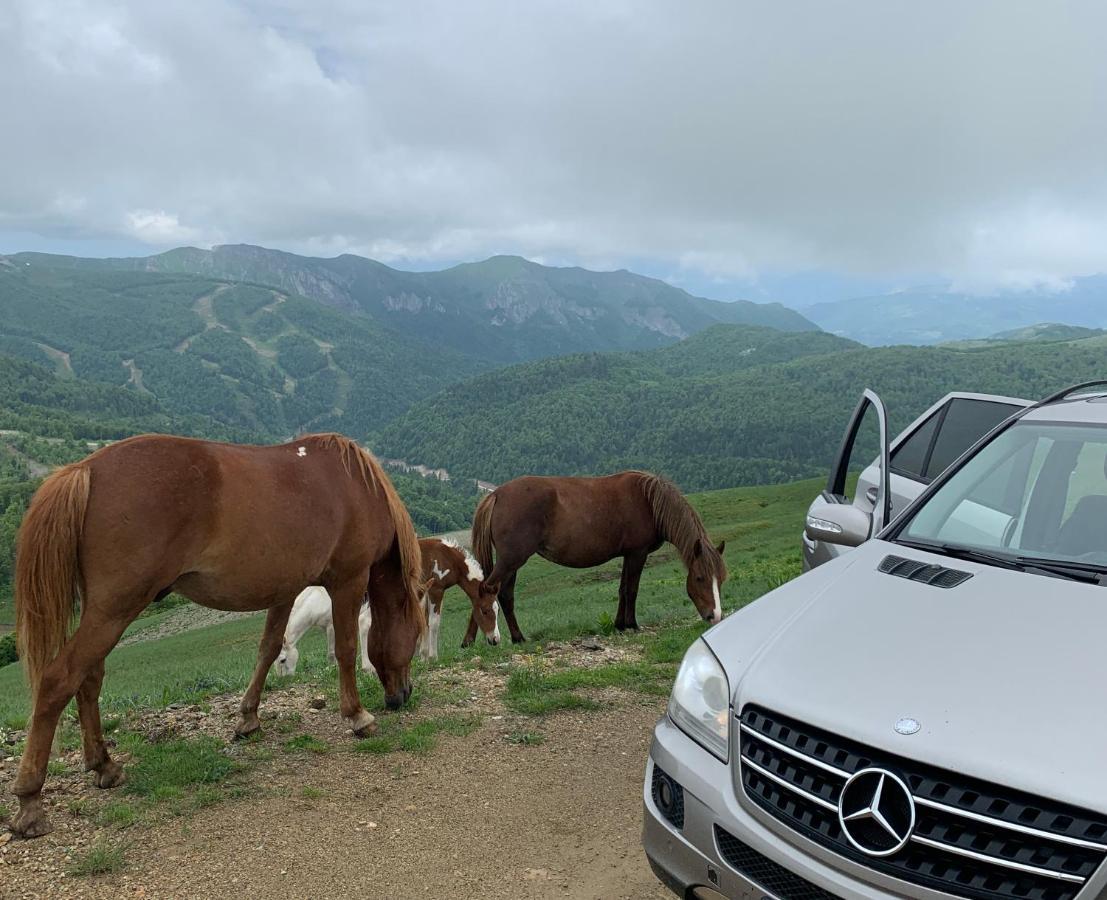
838	523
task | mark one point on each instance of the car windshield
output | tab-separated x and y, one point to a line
1036	493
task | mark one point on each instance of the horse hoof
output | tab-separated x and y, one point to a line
467	642
109	776
363	725
518	639
247	727
31	822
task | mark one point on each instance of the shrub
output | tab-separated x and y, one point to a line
8	653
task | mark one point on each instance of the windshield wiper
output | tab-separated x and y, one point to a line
969	553
1074	571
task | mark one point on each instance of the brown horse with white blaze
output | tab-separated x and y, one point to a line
230	527
584	522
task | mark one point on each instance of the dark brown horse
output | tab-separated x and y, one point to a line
583	522
230	527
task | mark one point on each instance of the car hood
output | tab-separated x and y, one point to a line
1004	672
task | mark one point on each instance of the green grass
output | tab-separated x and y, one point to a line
306	742
5	813
760	524
421	737
307	792
100	859
525	738
537	691
168	770
80	806
121	814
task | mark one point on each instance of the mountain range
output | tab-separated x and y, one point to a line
504	309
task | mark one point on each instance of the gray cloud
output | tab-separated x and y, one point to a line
721	138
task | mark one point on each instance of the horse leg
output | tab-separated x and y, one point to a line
88	646
422	648
470	632
345	600
434	619
268	650
108	772
364	621
632	575
507	604
621	613
330	644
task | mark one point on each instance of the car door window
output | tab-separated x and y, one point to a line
909	458
963	423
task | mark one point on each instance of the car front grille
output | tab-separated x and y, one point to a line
971	838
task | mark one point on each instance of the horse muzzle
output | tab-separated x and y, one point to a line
398	699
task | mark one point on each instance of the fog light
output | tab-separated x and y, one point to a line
669	798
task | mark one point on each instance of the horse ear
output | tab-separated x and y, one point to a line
697	549
721	547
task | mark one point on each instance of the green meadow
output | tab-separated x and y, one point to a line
761	526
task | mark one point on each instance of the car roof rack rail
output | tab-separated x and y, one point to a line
1067	393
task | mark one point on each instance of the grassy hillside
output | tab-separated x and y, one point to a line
250	358
503	309
763	423
761	527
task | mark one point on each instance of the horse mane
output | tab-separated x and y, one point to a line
677	521
361	463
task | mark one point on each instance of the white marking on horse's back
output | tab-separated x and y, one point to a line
301	451
476	573
438	573
450	542
718	600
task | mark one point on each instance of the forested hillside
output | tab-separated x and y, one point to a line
765	423
504	309
249	358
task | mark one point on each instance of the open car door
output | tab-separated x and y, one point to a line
835	522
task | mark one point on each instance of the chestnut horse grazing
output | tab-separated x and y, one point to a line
583	522
231	527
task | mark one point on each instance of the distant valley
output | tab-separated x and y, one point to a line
937	315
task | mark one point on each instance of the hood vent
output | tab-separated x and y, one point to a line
926	573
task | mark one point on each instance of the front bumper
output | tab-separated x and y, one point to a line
691	858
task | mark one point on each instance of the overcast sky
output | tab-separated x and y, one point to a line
732	147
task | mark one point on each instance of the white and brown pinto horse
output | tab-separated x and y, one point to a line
445	565
230	527
584	522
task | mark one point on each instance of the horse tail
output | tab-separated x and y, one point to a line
481	536
47	573
407	541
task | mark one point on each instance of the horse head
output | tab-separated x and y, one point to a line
706	574
286	662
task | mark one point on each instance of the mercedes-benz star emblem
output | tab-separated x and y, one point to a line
876	812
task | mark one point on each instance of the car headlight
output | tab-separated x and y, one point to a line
700	703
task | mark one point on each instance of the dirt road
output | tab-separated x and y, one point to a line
477	817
